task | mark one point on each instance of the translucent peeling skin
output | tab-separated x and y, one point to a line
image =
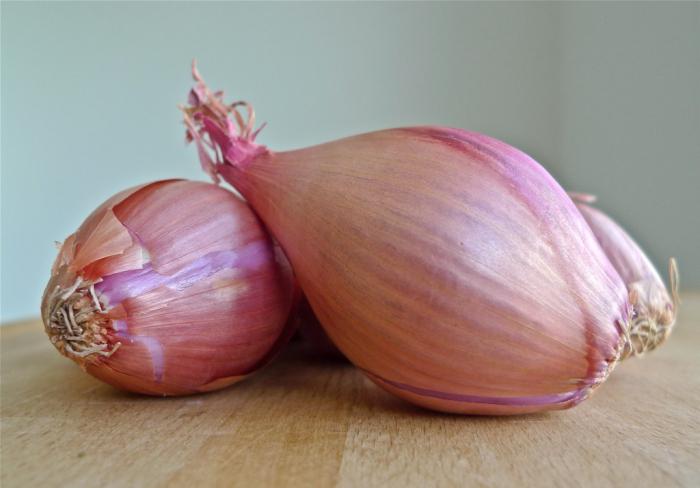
447	265
654	308
169	288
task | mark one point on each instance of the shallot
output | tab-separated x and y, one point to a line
169	288
654	308
314	341
448	266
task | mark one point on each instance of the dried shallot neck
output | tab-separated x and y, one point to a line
77	325
223	135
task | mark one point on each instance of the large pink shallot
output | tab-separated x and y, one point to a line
654	308
448	266
169	288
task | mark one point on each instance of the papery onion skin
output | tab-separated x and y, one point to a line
654	307
448	266
192	296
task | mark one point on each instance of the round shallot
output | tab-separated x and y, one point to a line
169	288
654	308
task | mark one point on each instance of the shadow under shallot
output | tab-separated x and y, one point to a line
315	382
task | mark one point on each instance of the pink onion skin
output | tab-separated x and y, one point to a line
194	296
449	266
654	308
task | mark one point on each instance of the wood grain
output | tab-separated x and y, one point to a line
306	423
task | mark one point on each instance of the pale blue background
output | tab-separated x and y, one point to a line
606	96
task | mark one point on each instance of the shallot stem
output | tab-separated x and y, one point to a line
674	282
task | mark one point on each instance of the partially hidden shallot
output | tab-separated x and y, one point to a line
314	341
448	266
169	288
654	307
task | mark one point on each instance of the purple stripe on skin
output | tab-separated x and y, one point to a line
558	398
458	139
126	284
481	143
120	286
155	348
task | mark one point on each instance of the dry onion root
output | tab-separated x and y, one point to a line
448	266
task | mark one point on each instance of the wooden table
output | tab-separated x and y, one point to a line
308	423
